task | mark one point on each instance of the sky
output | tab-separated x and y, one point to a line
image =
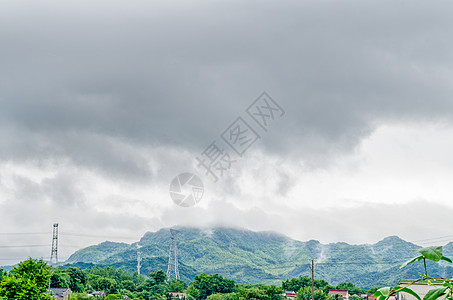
103	103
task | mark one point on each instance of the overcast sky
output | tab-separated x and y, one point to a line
103	103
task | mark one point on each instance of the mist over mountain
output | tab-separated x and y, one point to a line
264	257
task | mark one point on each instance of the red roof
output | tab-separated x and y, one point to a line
338	292
179	295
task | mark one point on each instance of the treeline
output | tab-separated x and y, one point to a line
31	279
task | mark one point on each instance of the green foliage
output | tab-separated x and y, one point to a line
80	296
351	288
256	257
296	284
252	293
128	285
159	276
177	286
99	283
114	297
229	296
215	297
205	285
59	279
26	281
432	254
77	279
305	294
273	292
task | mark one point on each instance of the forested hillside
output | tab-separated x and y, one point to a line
264	257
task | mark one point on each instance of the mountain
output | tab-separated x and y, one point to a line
264	257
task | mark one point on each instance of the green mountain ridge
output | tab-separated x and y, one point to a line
264	257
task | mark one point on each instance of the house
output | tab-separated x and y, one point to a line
420	287
344	294
97	294
289	295
178	295
371	297
60	293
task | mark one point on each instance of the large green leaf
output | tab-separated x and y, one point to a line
383	293
434	294
446	259
431	253
418	258
409	291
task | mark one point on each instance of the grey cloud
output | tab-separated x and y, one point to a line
178	76
92	85
365	223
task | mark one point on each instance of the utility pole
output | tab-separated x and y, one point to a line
54	252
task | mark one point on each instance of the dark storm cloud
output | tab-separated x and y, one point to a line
174	74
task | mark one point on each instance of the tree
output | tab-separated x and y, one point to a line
59	279
305	294
177	286
159	276
229	296
215	297
28	280
210	284
273	292
104	284
128	285
80	296
296	284
350	287
252	293
77	279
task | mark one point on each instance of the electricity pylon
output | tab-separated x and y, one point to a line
172	270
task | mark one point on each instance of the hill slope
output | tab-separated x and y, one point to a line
266	257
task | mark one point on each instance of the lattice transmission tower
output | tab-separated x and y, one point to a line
54	252
172	271
139	261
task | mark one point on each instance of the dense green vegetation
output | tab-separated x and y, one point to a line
261	257
242	265
31	279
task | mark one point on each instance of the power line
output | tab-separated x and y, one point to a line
97	236
24	246
24	233
69	234
436	238
21	258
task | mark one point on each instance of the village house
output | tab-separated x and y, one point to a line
289	295
97	293
420	287
60	293
344	294
178	295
